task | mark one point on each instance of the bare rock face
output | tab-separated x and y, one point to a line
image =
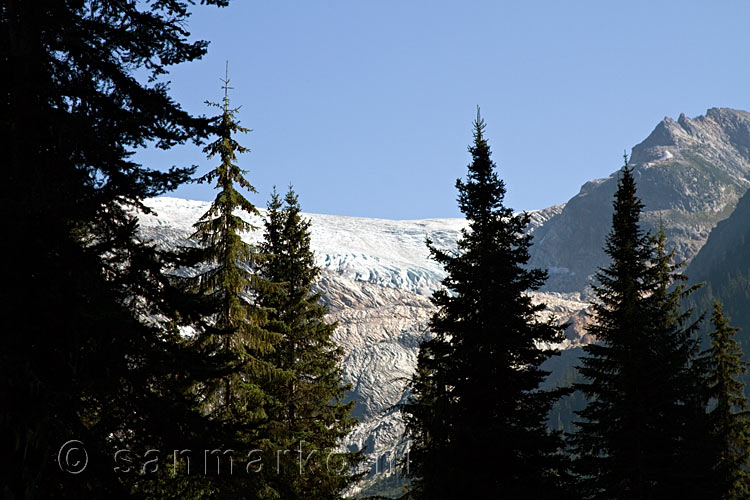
690	174
380	329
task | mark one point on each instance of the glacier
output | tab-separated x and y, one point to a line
377	278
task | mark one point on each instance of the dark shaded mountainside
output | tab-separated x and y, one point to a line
723	266
690	174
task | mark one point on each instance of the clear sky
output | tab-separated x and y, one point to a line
366	105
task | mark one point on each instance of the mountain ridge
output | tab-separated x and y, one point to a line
690	174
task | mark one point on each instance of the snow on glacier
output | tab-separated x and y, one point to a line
376	276
389	253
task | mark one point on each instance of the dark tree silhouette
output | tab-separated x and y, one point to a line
90	349
477	416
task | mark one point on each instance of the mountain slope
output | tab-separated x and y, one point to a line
690	174
723	264
376	278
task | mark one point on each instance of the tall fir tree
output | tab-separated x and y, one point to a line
309	417
681	393
730	418
81	357
231	280
477	415
638	435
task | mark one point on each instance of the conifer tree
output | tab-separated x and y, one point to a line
309	416
476	391
637	436
679	379
81	356
231	279
729	418
237	329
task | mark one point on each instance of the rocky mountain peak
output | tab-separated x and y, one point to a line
666	133
690	174
725	129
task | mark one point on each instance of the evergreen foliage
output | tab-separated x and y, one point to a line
90	348
729	418
309	417
238	328
476	388
231	280
640	434
679	381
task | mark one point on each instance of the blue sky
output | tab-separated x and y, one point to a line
366	106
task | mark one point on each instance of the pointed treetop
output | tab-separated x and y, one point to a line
479	125
226	86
